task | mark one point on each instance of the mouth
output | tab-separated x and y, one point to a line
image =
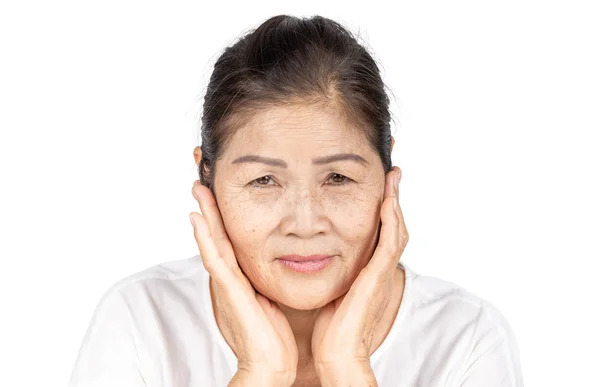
306	264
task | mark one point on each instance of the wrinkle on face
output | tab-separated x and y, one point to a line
301	210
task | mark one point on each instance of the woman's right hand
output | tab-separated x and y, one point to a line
254	326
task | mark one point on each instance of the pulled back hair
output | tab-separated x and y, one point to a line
290	60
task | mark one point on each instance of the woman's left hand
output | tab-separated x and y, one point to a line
344	328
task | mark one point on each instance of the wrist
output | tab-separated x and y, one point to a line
354	374
250	378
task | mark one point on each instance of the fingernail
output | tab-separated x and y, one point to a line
192	220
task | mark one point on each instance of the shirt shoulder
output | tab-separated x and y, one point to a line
469	328
173	270
171	292
174	278
139	320
437	295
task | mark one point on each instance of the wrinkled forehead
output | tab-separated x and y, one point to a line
301	129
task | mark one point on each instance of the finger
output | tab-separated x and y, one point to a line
212	215
389	249
213	263
402	230
390	187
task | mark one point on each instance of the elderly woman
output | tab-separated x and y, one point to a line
299	280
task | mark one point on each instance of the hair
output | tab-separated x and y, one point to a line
289	60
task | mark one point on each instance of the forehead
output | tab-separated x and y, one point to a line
297	126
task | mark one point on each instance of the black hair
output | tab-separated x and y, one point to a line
291	59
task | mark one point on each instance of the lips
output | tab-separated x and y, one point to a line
303	258
306	263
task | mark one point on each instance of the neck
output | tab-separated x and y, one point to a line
302	323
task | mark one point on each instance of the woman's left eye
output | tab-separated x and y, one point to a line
256	183
340	179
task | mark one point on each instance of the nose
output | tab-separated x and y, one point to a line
305	215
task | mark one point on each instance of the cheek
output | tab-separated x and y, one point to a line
250	222
251	217
357	220
248	226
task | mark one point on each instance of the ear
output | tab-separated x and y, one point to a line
197	155
198	158
392	146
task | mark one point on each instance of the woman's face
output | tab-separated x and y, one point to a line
298	205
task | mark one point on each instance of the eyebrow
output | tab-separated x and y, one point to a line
318	161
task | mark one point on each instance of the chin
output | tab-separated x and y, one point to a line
306	304
309	296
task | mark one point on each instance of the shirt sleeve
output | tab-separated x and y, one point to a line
494	360
107	356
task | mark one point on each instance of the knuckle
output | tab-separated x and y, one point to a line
381	277
391	249
197	234
404	239
221	236
208	265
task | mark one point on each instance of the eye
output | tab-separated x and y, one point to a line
339	179
260	182
263	182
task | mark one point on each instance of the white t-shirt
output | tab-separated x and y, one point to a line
156	328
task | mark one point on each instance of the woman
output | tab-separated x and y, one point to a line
298	281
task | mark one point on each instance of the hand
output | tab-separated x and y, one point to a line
344	328
255	327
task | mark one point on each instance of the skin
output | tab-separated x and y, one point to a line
268	211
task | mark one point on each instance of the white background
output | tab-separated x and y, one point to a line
496	108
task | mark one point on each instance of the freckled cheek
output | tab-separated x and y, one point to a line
245	230
355	224
249	219
350	216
